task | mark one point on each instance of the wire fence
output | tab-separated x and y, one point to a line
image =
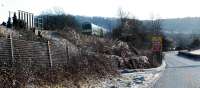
45	54
44	63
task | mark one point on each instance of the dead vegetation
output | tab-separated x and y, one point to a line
125	54
98	58
80	70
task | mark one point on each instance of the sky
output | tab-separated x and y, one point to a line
140	9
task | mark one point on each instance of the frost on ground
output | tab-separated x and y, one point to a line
195	52
132	80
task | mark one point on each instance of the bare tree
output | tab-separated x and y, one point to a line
123	15
58	11
53	11
156	24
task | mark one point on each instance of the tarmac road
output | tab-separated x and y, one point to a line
181	72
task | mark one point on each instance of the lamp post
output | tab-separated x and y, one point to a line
27	17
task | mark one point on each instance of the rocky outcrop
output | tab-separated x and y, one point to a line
134	62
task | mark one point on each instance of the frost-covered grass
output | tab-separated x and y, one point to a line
131	80
142	79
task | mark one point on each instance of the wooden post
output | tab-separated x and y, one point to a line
49	51
51	63
67	51
12	48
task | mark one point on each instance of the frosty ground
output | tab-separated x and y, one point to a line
144	78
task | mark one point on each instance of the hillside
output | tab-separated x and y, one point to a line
182	25
175	25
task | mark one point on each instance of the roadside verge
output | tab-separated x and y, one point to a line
135	78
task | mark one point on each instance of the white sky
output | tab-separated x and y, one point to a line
141	9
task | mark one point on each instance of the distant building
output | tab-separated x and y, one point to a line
92	29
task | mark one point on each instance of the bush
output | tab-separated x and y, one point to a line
3	24
195	43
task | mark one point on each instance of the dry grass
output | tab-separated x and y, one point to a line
80	68
91	64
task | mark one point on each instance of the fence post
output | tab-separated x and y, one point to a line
49	51
67	51
12	48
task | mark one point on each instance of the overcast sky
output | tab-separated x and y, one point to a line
141	9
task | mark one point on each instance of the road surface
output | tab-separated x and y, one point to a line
180	72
